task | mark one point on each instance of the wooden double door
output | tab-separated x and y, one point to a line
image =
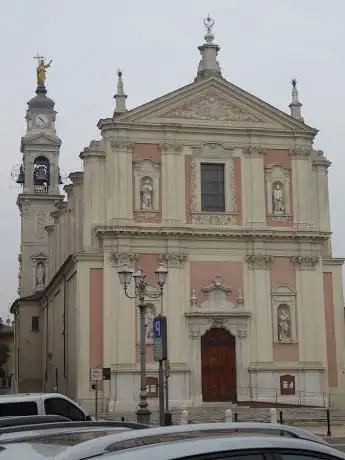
218	366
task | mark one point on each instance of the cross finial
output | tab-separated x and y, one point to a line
209	23
294	82
38	57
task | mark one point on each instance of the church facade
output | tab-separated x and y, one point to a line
229	194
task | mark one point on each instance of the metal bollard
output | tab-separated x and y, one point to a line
273	415
184	417
281	421
329	423
228	416
235	417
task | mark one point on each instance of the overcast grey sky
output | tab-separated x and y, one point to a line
263	44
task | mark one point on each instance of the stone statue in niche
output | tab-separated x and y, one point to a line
278	202
146	193
40	275
284	323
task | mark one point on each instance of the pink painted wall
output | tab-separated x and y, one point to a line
281	157
282	271
147	152
283	352
330	330
238	189
202	274
96	317
149	263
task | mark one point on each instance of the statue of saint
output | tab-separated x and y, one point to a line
40	274
278	199
41	70
284	323
146	194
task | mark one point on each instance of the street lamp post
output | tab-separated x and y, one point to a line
140	292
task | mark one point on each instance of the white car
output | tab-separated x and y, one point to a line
230	448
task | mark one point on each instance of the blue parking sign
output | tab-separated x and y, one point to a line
157	328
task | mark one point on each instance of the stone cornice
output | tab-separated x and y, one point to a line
108	126
77	177
154	230
333	261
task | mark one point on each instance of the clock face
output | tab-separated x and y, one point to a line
41	120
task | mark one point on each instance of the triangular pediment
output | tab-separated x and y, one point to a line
213	102
41	139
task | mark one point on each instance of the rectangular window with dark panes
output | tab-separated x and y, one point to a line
212	187
35	324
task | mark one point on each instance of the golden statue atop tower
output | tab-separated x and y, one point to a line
41	69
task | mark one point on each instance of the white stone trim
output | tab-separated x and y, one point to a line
278	173
238	326
151	169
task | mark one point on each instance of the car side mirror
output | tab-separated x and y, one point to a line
88	418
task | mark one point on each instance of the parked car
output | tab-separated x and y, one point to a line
25	404
116	443
47	440
228	447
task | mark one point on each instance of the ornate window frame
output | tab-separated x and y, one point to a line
284	294
150	169
277	172
213	153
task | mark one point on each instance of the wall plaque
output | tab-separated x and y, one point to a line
287	385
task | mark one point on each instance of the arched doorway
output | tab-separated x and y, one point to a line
218	366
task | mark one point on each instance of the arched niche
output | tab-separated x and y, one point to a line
41	173
283	297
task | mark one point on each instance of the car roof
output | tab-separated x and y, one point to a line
178	449
18	397
102	444
48	433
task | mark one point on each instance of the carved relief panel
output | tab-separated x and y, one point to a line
278	192
147	187
284	314
217	298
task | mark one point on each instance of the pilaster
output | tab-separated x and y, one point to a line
255	185
259	299
173	183
175	303
302	188
310	307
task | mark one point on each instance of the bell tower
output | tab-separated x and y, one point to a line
40	178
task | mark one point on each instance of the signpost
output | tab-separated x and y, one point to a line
160	354
97	374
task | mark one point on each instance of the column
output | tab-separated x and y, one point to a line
259	300
175	304
255	183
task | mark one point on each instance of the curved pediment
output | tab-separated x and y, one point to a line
39	256
283	289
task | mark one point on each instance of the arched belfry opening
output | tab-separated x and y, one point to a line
218	366
41	174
